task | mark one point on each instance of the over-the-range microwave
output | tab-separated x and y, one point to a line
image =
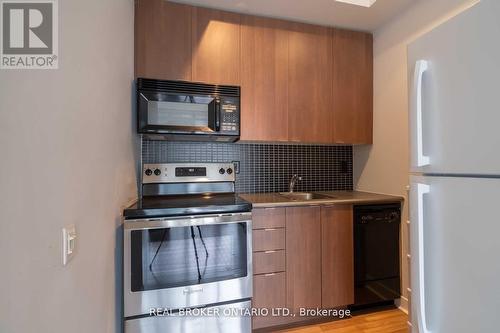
180	110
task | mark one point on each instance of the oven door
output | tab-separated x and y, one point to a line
163	113
186	262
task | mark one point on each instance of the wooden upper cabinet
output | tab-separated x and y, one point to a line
337	256
303	257
300	82
215	46
264	81
352	86
310	116
162	40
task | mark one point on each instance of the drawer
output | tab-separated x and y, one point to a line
268	239
269	292
268	218
268	262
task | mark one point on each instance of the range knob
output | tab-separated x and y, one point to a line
222	171
229	171
157	172
148	172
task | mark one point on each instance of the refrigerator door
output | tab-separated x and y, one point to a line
455	243
454	72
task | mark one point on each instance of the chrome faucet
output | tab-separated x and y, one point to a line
292	182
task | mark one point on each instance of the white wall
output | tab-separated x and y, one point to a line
67	156
384	166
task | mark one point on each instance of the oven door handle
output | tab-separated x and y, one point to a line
186	221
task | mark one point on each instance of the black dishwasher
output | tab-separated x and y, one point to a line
376	255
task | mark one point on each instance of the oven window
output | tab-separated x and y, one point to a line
183	256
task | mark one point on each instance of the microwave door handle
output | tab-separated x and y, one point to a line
217	115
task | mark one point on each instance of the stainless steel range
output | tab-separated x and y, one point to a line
187	246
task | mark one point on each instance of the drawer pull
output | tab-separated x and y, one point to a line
271	251
269	208
270	274
270	229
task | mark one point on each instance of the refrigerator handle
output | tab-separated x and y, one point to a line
422	189
420	67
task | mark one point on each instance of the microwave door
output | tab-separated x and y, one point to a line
178	114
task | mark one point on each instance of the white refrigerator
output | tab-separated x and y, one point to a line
454	88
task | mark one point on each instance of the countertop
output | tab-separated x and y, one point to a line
263	200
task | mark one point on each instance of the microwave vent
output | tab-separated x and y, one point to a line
184	87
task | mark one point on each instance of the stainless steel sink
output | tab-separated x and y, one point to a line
304	196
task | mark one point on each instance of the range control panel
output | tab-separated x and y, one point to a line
187	172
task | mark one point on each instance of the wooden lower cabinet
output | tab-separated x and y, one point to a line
268	239
337	257
269	281
268	262
268	218
269	293
303	257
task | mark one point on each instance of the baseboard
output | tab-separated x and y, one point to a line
402	304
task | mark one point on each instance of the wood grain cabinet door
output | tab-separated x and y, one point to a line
215	46
352	87
303	257
162	40
269	293
337	256
310	115
264	82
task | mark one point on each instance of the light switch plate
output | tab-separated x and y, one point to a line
69	243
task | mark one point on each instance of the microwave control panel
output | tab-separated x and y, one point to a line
230	116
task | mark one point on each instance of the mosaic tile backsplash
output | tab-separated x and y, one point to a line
264	167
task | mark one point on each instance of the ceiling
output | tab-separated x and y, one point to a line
322	12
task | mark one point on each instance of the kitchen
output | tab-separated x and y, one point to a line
185	139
